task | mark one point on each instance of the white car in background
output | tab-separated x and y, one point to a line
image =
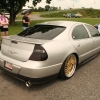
78	15
7	15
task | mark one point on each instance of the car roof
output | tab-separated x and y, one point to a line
61	23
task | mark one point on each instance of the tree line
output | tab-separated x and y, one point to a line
47	8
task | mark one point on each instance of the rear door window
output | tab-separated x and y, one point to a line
79	32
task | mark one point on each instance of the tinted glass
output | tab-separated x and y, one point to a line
79	32
93	31
42	32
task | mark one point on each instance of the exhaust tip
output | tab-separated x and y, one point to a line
28	83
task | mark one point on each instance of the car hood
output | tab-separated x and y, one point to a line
19	48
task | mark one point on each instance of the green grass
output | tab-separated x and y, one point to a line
86	12
18	26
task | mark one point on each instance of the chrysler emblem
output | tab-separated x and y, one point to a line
11	52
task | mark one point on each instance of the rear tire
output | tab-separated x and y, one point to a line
69	66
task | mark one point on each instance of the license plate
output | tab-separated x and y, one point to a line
8	65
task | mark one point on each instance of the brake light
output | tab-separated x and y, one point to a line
39	53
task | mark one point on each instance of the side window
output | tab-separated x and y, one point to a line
79	32
93	31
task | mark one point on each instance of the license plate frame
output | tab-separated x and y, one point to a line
8	65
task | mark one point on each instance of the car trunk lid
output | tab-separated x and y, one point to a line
19	48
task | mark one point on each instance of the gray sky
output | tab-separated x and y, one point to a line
66	4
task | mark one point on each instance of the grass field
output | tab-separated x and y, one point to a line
18	25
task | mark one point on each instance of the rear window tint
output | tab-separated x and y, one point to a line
42	32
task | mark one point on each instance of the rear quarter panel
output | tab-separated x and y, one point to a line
58	51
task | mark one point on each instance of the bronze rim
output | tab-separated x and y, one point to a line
70	65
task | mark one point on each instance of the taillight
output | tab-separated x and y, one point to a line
39	53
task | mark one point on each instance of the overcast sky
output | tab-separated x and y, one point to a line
66	4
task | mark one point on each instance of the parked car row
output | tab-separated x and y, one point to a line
71	15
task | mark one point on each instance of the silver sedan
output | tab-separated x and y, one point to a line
46	50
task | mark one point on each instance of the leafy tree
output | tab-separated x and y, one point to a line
47	7
54	8
15	6
40	9
38	1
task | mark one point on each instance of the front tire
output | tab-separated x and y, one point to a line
69	66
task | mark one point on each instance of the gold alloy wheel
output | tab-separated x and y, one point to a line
70	65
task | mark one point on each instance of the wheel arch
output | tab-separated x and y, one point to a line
61	72
76	58
66	58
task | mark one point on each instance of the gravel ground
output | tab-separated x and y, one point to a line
84	85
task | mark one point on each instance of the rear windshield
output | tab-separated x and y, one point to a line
42	32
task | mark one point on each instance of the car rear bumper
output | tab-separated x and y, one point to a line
33	80
29	70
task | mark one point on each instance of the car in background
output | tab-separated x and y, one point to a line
78	15
97	26
7	15
26	10
49	49
70	15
